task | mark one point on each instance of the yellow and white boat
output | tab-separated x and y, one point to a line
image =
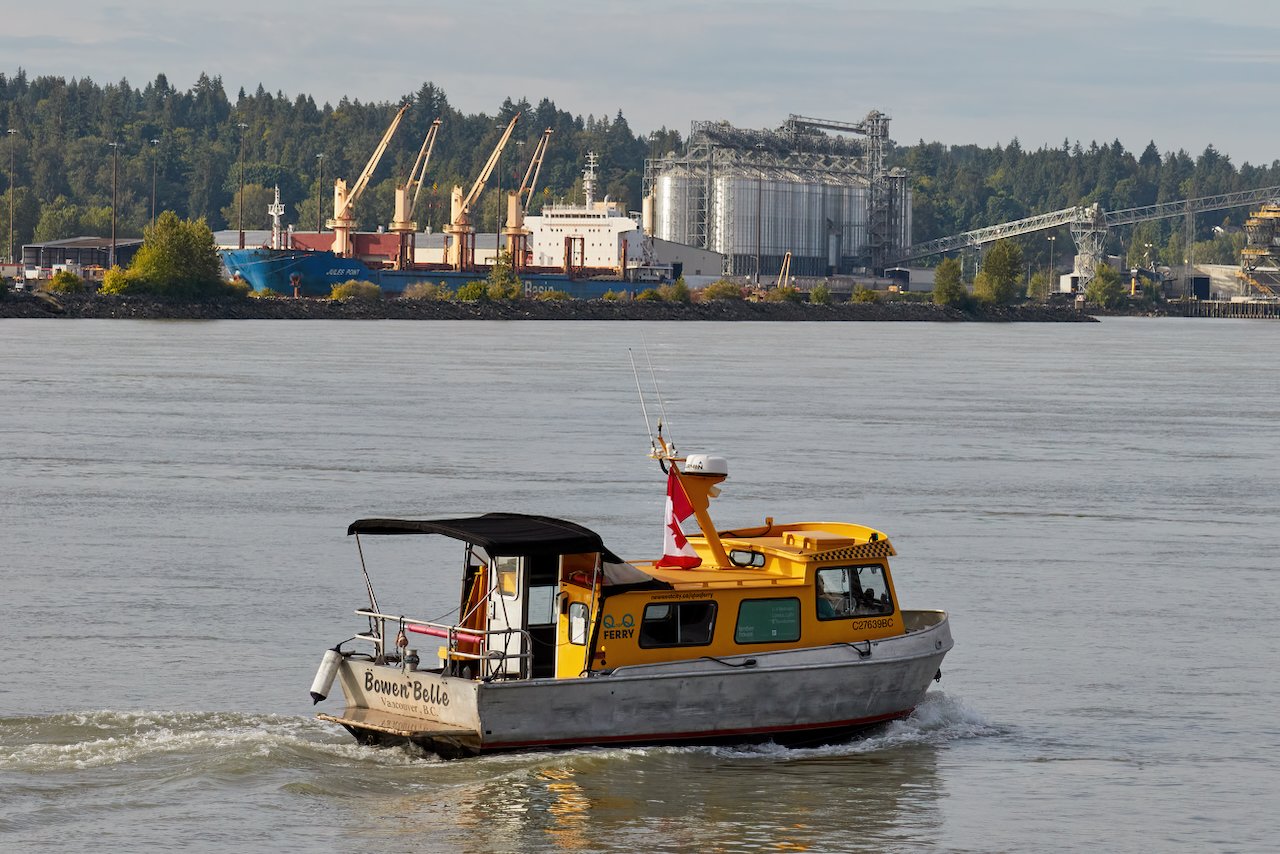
789	632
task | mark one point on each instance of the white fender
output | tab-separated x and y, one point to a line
325	675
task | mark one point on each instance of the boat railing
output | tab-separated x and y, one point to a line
492	647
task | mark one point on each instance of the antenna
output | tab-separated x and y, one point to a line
662	406
649	429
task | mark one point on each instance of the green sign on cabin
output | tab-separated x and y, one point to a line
768	621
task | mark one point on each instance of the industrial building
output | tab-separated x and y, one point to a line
756	195
80	255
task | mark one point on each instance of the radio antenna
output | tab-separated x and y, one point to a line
636	373
662	406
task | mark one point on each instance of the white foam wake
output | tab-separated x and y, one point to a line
92	739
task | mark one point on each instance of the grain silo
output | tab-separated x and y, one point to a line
755	195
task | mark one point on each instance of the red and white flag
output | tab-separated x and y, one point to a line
676	551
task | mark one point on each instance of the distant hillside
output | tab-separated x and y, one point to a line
190	144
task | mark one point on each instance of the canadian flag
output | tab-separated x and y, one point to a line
676	551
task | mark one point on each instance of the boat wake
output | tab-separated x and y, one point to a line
190	742
938	720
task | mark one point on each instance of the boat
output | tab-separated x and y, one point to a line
584	251
787	632
315	272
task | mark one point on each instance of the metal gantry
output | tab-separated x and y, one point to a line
1089	225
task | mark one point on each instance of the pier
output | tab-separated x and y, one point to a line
1219	308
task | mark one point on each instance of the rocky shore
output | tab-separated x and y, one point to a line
25	304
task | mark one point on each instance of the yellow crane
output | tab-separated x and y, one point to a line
784	275
343	223
528	185
402	222
1260	259
517	235
462	236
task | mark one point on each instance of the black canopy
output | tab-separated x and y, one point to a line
498	533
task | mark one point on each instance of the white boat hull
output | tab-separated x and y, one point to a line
795	695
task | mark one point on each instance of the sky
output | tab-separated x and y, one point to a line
1182	74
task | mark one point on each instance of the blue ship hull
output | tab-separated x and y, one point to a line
317	272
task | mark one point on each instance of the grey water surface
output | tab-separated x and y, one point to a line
1096	505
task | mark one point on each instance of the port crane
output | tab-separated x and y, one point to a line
343	223
784	274
1260	258
402	223
517	235
461	234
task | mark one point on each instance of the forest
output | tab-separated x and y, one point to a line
71	142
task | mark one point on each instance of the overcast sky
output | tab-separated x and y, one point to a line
1184	74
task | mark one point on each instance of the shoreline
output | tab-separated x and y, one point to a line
92	306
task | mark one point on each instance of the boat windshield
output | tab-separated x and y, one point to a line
852	591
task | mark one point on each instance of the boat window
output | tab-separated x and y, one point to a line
844	592
578	623
677	624
508	569
743	557
542	605
768	621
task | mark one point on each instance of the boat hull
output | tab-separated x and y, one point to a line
808	695
315	273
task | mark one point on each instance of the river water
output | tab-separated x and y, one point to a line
1094	504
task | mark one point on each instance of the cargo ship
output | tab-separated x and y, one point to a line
580	250
314	273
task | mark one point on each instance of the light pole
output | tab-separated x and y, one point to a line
115	172
497	225
319	185
154	154
1052	260
13	141
759	210
240	215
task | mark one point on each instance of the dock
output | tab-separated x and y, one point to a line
1219	308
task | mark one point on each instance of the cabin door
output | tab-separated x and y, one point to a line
541	614
506	617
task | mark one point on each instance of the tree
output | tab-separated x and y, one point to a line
502	282
178	258
356	290
1001	273
722	289
948	289
1038	288
473	291
58	219
427	291
677	291
65	282
256	200
1105	289
783	293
